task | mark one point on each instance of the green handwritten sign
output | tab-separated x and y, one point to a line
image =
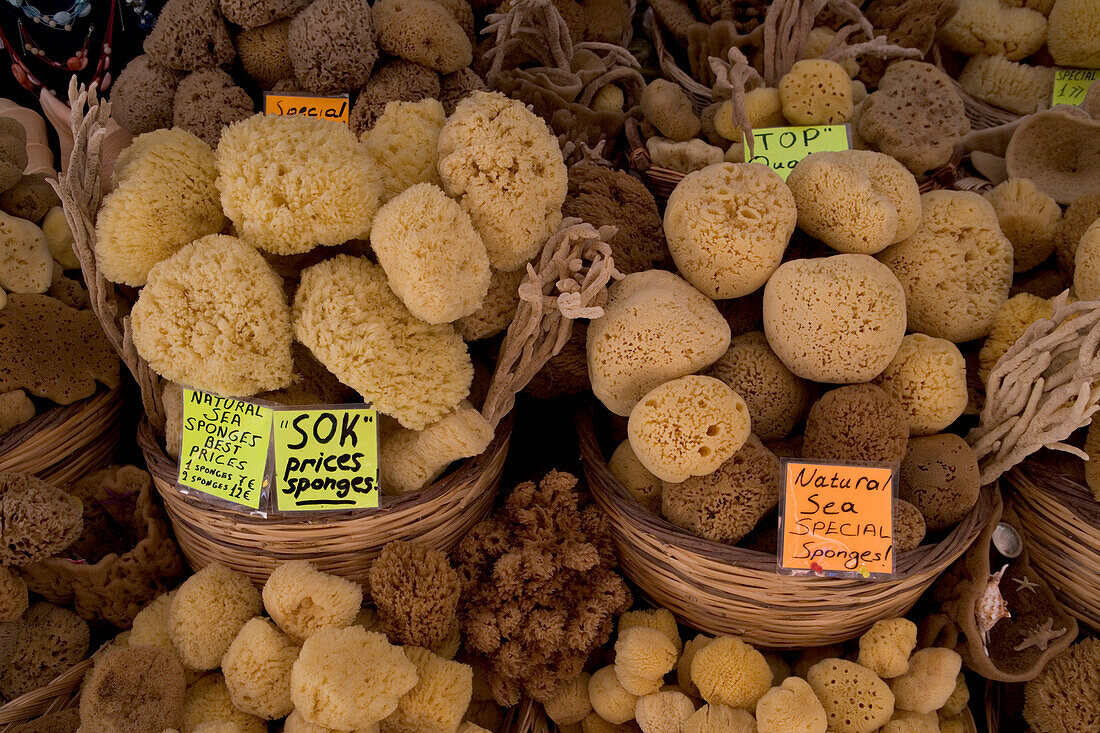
780	148
326	459
1071	85
224	447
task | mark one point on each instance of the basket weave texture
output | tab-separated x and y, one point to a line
63	692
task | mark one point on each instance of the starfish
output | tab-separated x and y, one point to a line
1040	637
1024	583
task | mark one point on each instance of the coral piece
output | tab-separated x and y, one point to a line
728	671
886	646
927	377
133	689
860	423
929	682
988	28
37	520
403	145
332	45
265	54
1066	694
663	712
838	319
255	13
497	309
610	701
1028	218
643	656
792	706
1072	34
416	592
207	702
208	611
411	459
304	601
424	32
190	35
816	92
570	704
1017	87
25	262
206	102
46	641
854	698
396	81
1056	149
257	670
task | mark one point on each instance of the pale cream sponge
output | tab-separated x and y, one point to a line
927	377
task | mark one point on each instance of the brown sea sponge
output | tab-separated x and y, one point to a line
816	92
37	520
416	591
886	646
1072	35
440	698
688	427
206	102
207	702
245	347
208	611
331	685
257	670
1066	694
642	485
860	423
303	600
133	690
725	505
1057	149
956	269
929	682
255	13
836	319
30	198
16	408
989	28
909	529
1078	217
141	97
264	53
927	377
609	700
457	86
643	656
663	712
727	227
728	671
424	32
791	706
332	45
854	698
1009	324
939	475
13	152
46	641
190	35
13	595
416	372
1028	218
1086	273
403	144
396	81
497	308
668	108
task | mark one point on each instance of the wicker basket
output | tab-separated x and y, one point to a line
722	589
63	692
66	442
1060	520
699	94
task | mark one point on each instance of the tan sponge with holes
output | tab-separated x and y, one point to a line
939	475
688	427
854	698
816	92
860	422
1028	218
928	379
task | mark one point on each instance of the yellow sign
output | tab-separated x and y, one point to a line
837	519
285	103
1071	85
326	458
224	447
780	148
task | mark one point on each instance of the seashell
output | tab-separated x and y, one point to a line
1007	540
991	606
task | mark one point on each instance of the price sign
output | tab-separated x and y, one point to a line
310	105
326	458
780	148
224	447
837	519
1071	85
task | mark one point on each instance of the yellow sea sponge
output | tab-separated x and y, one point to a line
728	671
683	664
911	725
609	700
150	627
956	269
990	28
213	316
685	156
816	92
257	670
959	699
855	201
1009	323
927	377
497	309
291	183
355	325
164	197
295	723
688	427
818	42
206	613
570	704
727	227
331	685
439	699
929	682
835	319
854	698
643	656
763	106
791	707
207	701
1073	37
886	646
26	265
656	327
434	259
1017	87
403	145
939	475
303	600
720	719
412	459
663	712
642	485
1086	272
1028	218
653	618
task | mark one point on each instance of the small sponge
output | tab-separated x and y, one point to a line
208	611
721	719
728	671
570	704
667	107
643	656
141	98
860	423
190	35
929	682
424	32
440	698
45	642
1028	218
816	92
928	379
257	670
792	706
207	702
854	698
939	475
656	618
403	144
303	601
886	646
264	53
909	527
416	591
642	485
1009	323
663	712
609	700
208	101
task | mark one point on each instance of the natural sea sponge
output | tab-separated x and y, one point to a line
609	700
638	480
960	696
1028	218
683	665
836	319
257	670
453	88
720	719
688	427
663	712
859	423
1073	33
264	53
727	504
141	97
207	702
303	600
727	227
763	106
570	705
915	116
332	45
396	81
728	671
886	646
13	152
59	238
939	475
927	377
1078	217
497	308
643	656
416	592
424	32
292	183
403	144
412	459
190	35
816	92
132	690
208	611
1009	324
1086	272
956	269
213	316
37	520
13	595
685	156
439	700
16	408
415	372
434	259
855	201
208	101
1066	694
909	527
791	706
46	641
331	685
26	265
164	197
256	13
990	28
929	682
1058	149
30	198
660	619
655	328
668	108
854	698
1017	87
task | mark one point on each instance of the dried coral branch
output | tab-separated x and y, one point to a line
738	76
879	47
570	282
534	27
1044	388
787	26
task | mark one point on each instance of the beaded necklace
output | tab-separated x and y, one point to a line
78	61
61	19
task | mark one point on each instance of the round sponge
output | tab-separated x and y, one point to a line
688	427
1086	273
141	98
130	689
609	700
727	227
303	600
1028	218
939	475
424	32
255	13
642	485
206	102
928	379
854	698
643	656
208	611
886	646
909	527
331	45
257	670
816	92
728	671
835	319
860	423
264	54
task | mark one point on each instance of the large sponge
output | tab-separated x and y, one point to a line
928	379
133	689
303	601
403	144
440	698
860	423
257	670
939	475
332	45
208	611
854	698
1028	218
424	32
728	671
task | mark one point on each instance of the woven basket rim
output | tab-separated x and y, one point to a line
39	701
1059	477
59	415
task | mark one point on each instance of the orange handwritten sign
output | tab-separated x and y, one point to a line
285	103
836	519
